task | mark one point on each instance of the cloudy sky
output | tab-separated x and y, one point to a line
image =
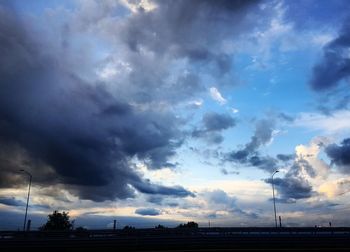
160	112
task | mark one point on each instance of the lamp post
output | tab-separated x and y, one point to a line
273	194
30	183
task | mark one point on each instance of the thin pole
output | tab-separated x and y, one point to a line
273	194
30	183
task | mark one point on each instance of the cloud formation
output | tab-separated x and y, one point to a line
249	154
293	186
216	96
305	172
212	125
335	64
191	21
219	200
12	202
68	131
148	211
340	155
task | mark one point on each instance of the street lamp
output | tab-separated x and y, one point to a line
273	194
30	183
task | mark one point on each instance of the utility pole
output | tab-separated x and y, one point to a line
280	221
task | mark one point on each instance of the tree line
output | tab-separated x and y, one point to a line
58	221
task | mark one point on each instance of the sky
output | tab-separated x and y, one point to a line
162	112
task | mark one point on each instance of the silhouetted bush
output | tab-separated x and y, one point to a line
159	227
57	222
190	224
81	232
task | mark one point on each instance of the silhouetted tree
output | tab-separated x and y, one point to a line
190	224
128	228
159	227
57	221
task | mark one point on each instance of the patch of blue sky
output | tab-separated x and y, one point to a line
284	88
313	13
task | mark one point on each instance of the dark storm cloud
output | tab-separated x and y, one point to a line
67	131
64	130
340	155
249	155
145	186
335	64
148	211
212	124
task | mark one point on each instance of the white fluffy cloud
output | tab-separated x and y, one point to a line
216	96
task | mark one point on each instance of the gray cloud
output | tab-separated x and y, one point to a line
217	122
335	64
340	155
12	202
285	117
285	157
212	124
148	211
220	200
68	131
145	186
162	201
226	172
292	189
175	28
190	32
334	100
249	155
294	186
265	163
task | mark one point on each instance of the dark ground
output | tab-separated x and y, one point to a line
214	239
